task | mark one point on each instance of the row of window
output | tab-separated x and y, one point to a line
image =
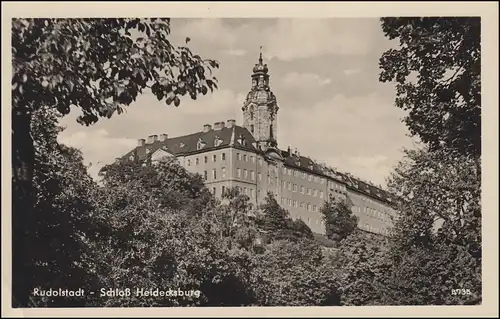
295	188
247	158
303	175
250	192
294	203
205	159
214	174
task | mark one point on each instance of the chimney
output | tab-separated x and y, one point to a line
289	151
218	125
152	139
141	142
206	128
163	137
230	123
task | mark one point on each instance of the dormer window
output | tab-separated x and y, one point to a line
131	157
242	140
217	141
201	144
148	150
182	145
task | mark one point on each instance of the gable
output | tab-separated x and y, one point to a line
161	155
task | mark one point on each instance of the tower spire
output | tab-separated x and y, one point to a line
260	56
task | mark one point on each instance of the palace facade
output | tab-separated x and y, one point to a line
248	157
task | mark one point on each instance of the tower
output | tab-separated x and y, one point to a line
260	107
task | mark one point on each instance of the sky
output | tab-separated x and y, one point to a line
324	73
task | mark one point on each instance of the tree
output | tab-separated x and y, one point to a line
438	189
437	237
363	266
57	255
339	219
294	274
437	70
275	221
98	66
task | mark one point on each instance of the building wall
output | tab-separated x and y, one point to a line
301	193
374	215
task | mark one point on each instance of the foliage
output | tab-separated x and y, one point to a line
167	183
99	65
146	241
364	266
276	223
438	187
437	70
57	255
295	274
339	219
428	275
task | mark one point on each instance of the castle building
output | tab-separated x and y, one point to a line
248	157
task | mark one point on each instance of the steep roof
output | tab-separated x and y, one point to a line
188	144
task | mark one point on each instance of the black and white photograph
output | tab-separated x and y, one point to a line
168	161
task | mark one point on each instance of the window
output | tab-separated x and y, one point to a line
223	190
197	161
214	158
251	192
308	191
245	172
189	162
315	193
289	186
309	206
302	189
301	204
260	161
284	170
206	159
238	156
214	173
289	202
322	180
259	176
315	208
245	191
251	126
310	178
295	173
294	187
223	172
252	175
290	172
282	201
223	156
214	190
238	172
269	180
321	194
283	184
252	159
303	175
245	157
316	179
205	175
295	203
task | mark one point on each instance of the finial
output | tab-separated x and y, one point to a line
260	56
